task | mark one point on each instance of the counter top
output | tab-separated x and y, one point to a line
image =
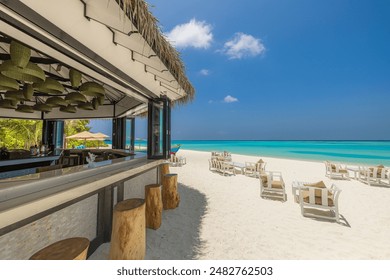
31	159
25	196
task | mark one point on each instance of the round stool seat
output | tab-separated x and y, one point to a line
128	237
75	248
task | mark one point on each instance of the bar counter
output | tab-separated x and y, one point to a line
25	199
31	159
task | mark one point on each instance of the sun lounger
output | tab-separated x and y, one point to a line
222	156
254	168
272	185
318	201
227	168
375	175
177	160
221	166
336	171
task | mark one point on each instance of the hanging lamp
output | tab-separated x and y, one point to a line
86	106
31	73
8	83
14	95
20	54
42	107
28	92
100	100
7	104
68	109
24	108
95	103
75	98
56	101
92	89
75	78
50	86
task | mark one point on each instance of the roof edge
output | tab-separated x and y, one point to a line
147	25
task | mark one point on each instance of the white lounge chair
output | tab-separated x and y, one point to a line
272	185
375	175
336	170
223	156
212	166
254	168
227	168
318	201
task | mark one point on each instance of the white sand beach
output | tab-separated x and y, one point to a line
224	217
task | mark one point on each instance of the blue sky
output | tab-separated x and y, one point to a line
281	69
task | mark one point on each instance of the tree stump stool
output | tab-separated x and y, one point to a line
164	169
170	196
154	206
75	248
128	238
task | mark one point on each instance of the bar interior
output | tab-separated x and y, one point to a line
81	60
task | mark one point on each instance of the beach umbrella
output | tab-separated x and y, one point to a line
84	135
99	137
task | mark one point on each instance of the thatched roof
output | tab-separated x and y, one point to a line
139	14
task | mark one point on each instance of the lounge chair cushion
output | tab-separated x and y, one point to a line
277	185
341	170
378	172
318	200
317	193
319	184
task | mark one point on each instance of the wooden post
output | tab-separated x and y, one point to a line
68	249
153	206
170	196
128	238
164	169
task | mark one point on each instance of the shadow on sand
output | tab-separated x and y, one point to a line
178	238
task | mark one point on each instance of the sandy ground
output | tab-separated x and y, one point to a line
224	217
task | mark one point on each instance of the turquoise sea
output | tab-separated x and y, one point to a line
356	152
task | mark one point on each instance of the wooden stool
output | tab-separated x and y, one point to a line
68	249
153	206
128	238
164	169
170	196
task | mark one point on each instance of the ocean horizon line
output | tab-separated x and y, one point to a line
279	140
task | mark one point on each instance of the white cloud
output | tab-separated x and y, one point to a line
204	72
230	99
211	101
196	34
243	45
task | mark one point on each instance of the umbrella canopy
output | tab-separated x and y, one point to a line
100	136
84	135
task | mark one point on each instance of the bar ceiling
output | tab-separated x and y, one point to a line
96	38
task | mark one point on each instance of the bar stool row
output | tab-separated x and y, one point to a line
131	217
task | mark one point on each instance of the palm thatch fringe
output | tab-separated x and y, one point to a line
139	14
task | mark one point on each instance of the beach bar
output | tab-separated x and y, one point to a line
82	59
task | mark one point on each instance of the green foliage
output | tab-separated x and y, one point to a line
76	126
20	134
72	127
